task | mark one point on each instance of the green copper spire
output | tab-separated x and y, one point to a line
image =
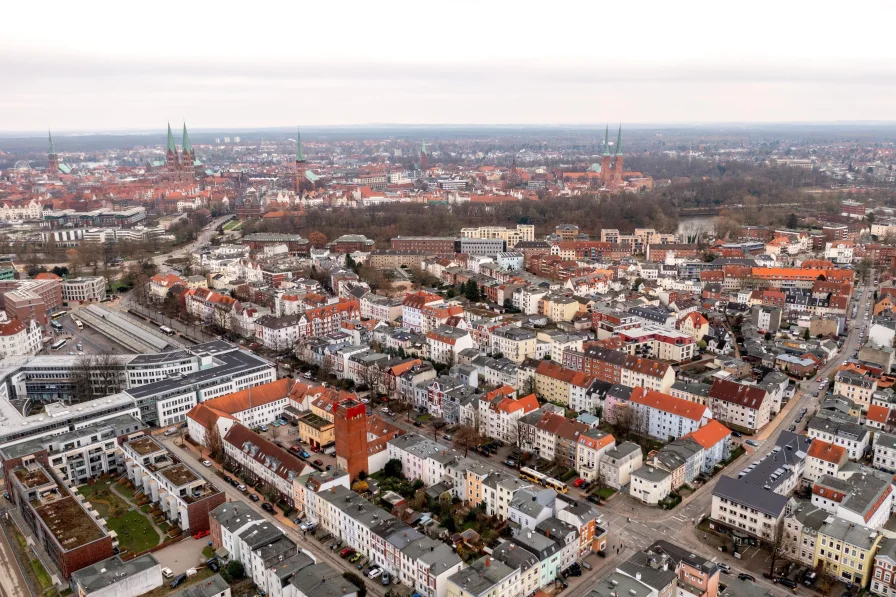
607	141
52	145
300	153
619	142
187	146
171	146
423	148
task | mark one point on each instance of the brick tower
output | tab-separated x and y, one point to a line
424	159
172	161
351	437
300	162
52	158
617	165
187	157
605	174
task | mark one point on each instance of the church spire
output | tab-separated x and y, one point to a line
619	142
300	153
607	141
187	146
52	145
171	146
423	147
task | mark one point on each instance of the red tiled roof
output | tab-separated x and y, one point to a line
669	404
710	434
827	452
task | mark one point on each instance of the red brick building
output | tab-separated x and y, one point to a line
433	245
351	437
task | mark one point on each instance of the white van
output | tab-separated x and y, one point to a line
167	573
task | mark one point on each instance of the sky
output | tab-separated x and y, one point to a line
121	66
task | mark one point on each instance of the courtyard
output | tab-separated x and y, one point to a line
137	525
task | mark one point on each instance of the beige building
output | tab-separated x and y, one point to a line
512	236
618	464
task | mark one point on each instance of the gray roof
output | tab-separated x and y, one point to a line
778	465
849	533
234	515
863	488
112	570
291	565
107	429
260	534
482	576
885	440
320	580
213	585
651	473
741	492
678	554
622	450
618	584
649	565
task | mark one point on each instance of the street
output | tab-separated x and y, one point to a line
309	543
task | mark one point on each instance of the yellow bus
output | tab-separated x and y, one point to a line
558	486
532	475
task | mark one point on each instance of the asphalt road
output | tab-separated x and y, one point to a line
320	550
91	340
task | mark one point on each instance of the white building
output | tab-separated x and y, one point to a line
662	416
84	289
19	339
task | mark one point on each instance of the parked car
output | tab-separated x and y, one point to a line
205	463
785	582
295	449
213	565
724	568
418	424
176	582
254	497
201	534
810	578
228	480
510	463
307	526
267	507
374	572
242	488
355	558
737	434
346	552
319	462
753	443
167	573
304	454
578	482
446	437
386	579
745	576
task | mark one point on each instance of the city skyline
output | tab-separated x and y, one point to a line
406	64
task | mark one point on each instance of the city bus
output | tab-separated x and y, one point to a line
532	475
60	314
79	324
166	330
58	344
558	486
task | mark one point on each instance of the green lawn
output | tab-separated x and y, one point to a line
606	492
208	551
124	490
231	224
41	574
92	489
135	532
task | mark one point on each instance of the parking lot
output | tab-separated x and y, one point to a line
90	340
287	436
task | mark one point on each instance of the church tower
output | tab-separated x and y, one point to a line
187	157
424	159
52	158
605	174
617	166
172	163
300	162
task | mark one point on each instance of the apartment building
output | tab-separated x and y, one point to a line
498	490
855	386
380	308
617	367
824	458
739	406
252	407
739	505
663	416
78	455
846	550
617	464
263	460
485	577
841	430
885	452
591	448
514	343
71	536
496	414
510	236
558	384
692	570
182	494
862	497
800	532
445	342
18	338
883	580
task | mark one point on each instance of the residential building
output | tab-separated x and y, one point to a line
261	459
183	495
883	579
863	496
663	416
18	338
650	484
114	577
84	289
739	406
846	550
824	458
619	463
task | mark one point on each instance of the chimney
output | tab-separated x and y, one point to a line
488	562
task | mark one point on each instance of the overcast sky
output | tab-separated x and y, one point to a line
104	66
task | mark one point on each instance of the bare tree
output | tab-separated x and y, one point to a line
110	373
214	442
466	437
776	547
82	378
